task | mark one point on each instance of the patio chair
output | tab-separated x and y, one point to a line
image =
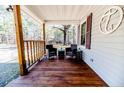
71	51
51	51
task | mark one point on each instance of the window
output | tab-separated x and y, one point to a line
83	32
86	32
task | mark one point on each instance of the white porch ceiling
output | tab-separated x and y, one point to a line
59	13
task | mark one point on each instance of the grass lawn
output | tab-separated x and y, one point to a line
9	67
8	72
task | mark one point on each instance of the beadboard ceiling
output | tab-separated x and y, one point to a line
59	13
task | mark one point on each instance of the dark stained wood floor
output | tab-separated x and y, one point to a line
59	73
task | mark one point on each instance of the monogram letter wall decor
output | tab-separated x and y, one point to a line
111	20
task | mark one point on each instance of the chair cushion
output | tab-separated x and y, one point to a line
49	46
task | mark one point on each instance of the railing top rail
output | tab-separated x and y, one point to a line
34	41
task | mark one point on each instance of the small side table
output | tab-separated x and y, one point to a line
61	54
79	55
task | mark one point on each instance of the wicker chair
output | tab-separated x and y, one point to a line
71	51
51	51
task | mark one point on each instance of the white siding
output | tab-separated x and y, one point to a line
107	51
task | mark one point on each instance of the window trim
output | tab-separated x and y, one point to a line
84	46
88	31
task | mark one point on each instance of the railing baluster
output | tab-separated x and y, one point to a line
34	51
40	49
31	52
28	53
37	49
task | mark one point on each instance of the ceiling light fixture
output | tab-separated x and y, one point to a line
9	8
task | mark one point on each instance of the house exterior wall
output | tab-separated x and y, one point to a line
106	56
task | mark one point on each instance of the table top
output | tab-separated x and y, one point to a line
61	49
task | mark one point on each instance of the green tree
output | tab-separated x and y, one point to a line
64	29
6	25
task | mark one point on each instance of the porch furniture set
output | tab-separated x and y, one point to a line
61	53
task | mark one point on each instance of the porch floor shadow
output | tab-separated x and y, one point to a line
59	73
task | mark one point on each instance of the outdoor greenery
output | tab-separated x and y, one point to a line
9	67
8	72
32	30
7	29
60	34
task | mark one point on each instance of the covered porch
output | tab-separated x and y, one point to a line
36	71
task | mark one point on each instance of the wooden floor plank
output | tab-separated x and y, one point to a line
59	73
